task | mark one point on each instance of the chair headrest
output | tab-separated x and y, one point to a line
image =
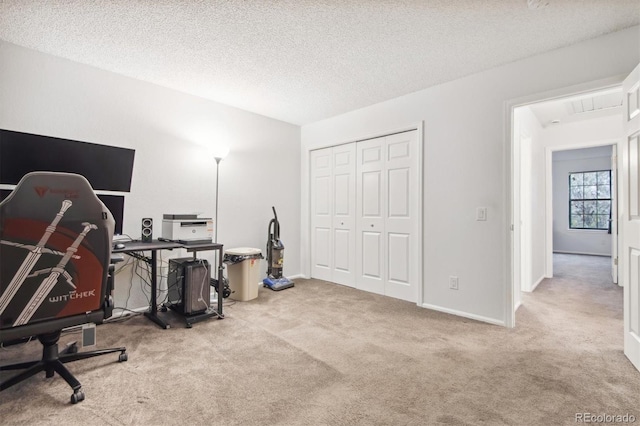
39	191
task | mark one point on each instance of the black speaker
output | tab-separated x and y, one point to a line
147	230
188	281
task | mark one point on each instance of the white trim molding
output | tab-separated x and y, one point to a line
464	314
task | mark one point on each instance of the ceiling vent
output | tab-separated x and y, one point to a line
594	103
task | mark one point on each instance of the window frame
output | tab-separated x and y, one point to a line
570	199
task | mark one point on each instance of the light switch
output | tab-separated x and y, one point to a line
481	213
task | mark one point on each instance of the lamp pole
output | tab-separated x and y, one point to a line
217	179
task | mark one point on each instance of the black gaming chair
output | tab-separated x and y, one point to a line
55	248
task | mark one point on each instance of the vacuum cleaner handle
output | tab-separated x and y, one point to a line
276	224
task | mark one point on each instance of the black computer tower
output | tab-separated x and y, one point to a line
189	281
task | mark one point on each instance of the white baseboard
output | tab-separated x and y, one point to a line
535	284
464	314
518	305
582	253
533	287
293	277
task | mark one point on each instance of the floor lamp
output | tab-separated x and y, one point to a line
219	154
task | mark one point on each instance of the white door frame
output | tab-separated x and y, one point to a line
613	222
512	193
305	202
526	227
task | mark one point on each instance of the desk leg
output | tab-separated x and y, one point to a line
153	309
220	283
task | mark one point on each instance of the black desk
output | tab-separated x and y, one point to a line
153	247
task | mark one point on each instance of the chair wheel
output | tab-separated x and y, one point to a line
123	357
73	348
77	396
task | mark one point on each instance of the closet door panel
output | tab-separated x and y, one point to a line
399	193
344	214
366	215
401	207
321	214
398	260
371	262
370	196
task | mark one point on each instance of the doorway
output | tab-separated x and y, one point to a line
583	202
540	130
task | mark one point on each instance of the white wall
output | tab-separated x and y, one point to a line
170	131
580	241
527	126
467	159
579	134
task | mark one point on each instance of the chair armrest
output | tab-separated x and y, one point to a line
108	298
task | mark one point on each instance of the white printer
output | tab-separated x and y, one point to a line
187	228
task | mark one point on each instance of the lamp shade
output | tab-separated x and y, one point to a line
220	152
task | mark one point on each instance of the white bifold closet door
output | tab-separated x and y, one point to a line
365	215
387	216
333	205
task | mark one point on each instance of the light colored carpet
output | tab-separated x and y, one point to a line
323	354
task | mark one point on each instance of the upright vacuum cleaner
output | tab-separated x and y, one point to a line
275	258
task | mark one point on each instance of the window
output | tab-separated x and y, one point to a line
590	200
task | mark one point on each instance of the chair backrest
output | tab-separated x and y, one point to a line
55	247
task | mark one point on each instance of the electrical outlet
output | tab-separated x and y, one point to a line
453	282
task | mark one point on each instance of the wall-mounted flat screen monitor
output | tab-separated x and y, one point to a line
115	204
107	168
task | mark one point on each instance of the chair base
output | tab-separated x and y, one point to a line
53	362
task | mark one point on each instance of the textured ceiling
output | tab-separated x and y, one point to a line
304	60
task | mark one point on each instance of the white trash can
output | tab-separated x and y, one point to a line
243	267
